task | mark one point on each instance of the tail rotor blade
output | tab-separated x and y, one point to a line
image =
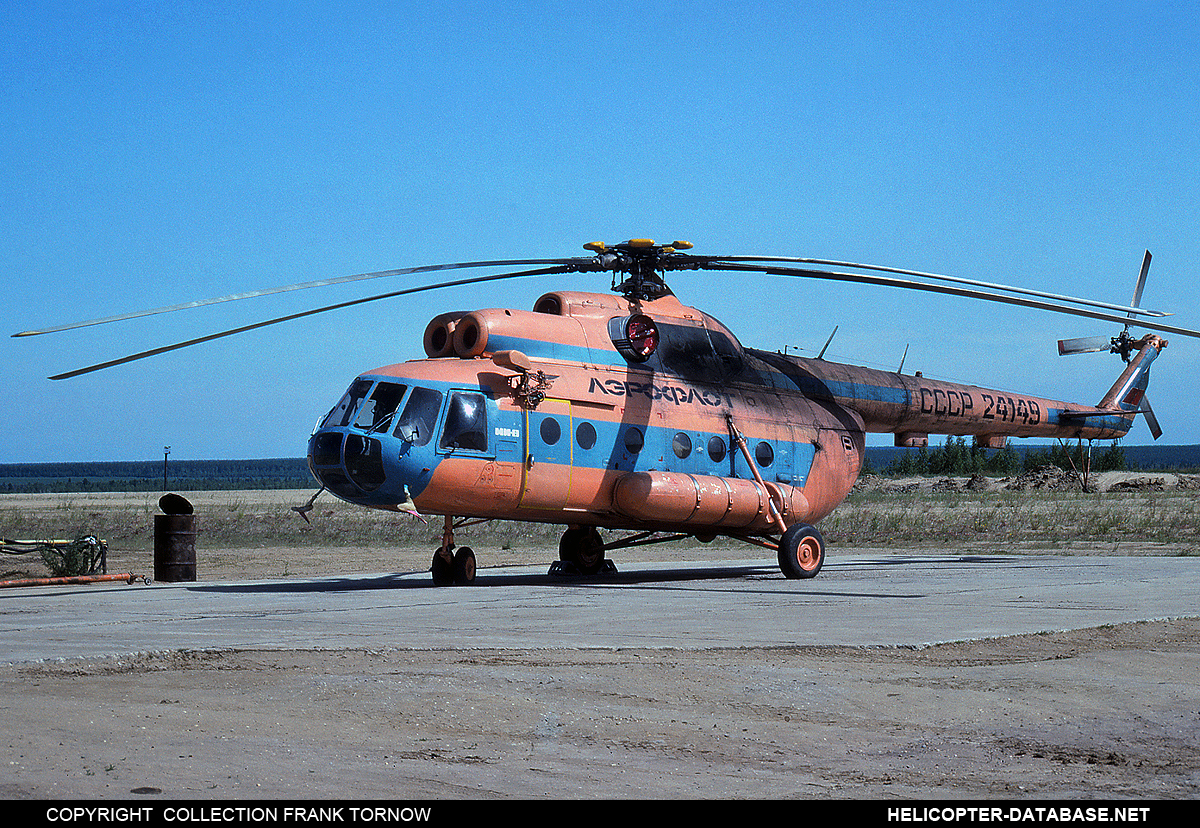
1151	420
1141	285
1084	345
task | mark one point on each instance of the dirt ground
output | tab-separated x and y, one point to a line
1105	713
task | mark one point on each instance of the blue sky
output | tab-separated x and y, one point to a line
153	153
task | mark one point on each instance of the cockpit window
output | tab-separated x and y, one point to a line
466	422
697	353
377	412
344	410
419	416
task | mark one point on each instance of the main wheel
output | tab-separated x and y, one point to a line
801	551
583	548
464	565
443	570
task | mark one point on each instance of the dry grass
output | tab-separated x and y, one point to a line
345	538
1038	519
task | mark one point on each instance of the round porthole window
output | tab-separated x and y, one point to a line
585	435
681	445
634	441
551	431
764	455
716	449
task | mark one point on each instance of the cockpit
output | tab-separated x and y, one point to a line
350	433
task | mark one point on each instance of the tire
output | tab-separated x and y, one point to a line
464	565
583	548
443	572
801	551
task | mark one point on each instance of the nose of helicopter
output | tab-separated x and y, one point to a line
372	448
370	470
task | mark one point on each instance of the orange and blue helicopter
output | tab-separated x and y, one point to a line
633	411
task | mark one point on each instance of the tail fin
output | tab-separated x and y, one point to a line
1128	393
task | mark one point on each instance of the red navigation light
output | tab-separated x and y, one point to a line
642	334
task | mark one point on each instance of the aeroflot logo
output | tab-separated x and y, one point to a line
671	393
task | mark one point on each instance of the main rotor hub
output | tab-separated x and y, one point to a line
643	260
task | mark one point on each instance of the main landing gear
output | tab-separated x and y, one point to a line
581	551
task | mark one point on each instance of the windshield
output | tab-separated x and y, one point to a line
420	415
376	413
344	410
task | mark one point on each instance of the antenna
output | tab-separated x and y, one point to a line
827	341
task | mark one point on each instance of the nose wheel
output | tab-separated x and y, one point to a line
801	551
460	569
451	566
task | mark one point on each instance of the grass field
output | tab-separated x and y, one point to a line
256	525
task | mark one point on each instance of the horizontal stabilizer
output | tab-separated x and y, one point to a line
1145	410
1085	413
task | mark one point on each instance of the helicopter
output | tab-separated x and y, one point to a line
632	411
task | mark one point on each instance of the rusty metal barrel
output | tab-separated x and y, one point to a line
175	540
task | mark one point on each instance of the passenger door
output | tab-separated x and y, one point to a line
549	444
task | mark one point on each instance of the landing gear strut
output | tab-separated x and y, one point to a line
450	566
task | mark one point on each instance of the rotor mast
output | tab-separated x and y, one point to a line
642	260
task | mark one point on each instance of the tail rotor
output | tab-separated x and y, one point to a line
1123	343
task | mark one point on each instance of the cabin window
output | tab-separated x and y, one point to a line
551	431
344	410
716	449
585	435
634	440
377	412
681	444
764	455
466	422
417	421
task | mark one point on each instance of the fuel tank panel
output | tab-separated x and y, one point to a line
697	500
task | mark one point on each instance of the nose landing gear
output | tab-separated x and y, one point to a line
452	566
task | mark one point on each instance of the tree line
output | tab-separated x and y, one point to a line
958	458
147	475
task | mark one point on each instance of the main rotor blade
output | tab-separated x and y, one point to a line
302	314
954	279
908	284
337	280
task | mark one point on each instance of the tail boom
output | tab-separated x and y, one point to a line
914	406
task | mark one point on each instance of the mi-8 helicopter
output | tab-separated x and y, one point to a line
632	411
